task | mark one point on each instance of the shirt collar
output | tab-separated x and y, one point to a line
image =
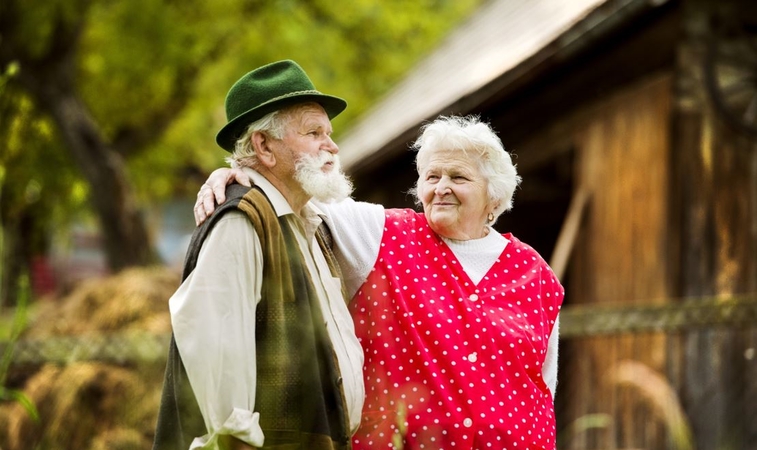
310	212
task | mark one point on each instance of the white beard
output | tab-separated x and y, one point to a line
323	186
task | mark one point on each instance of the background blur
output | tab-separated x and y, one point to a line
633	124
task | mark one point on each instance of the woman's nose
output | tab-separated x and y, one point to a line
442	187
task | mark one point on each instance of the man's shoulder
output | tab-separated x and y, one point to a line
235	192
231	216
230	226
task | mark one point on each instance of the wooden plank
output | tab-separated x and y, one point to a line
622	148
567	238
669	317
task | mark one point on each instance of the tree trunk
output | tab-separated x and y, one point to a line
49	78
15	260
126	239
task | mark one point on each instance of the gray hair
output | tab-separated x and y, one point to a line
477	140
273	124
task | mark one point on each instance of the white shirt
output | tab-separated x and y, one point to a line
358	227
213	321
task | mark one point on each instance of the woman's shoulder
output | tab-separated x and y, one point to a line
404	219
516	245
402	213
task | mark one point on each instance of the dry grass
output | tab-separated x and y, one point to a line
135	299
654	389
89	405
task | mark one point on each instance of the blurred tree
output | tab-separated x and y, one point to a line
111	104
34	167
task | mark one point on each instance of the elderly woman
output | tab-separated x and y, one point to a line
458	323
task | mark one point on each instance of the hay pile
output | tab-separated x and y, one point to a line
91	405
135	299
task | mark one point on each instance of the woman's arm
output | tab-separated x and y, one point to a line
357	227
549	368
213	191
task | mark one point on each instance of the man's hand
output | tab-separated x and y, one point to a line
213	191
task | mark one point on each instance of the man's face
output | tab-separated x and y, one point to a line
308	132
313	154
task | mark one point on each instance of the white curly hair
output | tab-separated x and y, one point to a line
477	140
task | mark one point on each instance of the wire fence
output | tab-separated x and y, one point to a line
679	375
669	317
119	348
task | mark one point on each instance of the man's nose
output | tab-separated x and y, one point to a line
331	146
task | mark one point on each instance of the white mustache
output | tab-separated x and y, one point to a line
322	185
318	160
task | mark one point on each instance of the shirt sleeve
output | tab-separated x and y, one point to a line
357	229
213	319
549	369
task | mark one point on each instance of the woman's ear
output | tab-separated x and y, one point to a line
262	145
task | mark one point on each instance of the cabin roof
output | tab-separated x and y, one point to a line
503	37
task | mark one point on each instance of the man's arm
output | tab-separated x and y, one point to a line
213	319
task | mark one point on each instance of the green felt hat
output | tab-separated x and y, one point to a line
265	90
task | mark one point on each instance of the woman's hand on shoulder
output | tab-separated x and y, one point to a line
213	191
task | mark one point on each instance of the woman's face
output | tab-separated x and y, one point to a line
454	195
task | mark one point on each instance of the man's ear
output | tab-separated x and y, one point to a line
261	142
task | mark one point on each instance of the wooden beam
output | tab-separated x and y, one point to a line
567	238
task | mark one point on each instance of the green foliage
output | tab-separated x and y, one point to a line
355	50
139	58
18	324
37	29
154	74
40	179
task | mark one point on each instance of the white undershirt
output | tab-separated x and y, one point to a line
477	256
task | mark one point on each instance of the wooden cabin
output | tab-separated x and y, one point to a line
634	126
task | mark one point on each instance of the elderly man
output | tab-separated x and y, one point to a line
262	333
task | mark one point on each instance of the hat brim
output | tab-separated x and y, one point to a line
229	134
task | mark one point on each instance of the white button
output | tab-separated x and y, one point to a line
472	357
473	297
467	422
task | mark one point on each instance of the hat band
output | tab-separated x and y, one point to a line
292	94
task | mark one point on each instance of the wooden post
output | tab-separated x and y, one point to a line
712	237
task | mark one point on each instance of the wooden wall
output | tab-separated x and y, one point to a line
713	211
622	159
620	148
